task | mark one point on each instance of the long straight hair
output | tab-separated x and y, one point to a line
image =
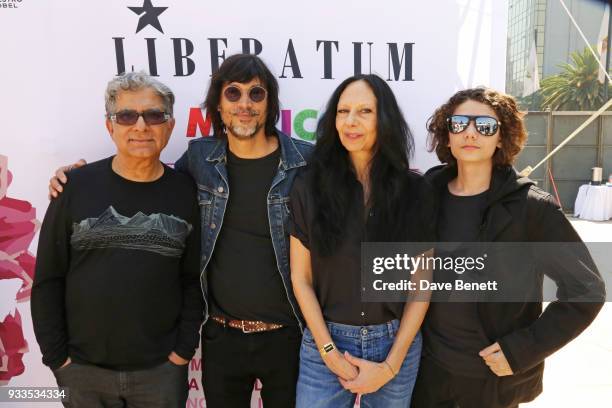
333	175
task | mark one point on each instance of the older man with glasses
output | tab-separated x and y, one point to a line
116	302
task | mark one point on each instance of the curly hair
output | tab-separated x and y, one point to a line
513	134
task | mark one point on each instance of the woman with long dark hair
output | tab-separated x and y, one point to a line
358	188
491	354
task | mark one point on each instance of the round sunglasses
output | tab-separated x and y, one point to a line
485	125
256	93
129	117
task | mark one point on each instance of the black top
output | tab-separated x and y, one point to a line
453	332
518	211
117	271
243	277
337	278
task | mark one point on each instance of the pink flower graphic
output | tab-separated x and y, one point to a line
18	225
12	348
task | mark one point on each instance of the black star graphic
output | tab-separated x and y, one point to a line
150	16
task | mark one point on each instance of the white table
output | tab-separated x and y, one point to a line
594	203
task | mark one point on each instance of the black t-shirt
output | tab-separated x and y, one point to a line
337	278
453	332
117	279
243	276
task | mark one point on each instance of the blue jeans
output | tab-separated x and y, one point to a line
318	387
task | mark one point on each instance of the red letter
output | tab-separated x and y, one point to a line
196	120
196	364
193	385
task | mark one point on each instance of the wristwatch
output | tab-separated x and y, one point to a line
327	348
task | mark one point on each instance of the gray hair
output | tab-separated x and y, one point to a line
135	81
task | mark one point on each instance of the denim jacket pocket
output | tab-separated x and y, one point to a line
206	201
286	212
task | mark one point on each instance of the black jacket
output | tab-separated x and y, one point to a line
518	211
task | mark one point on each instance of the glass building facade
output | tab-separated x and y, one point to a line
526	20
547	23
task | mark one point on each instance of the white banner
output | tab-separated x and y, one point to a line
57	56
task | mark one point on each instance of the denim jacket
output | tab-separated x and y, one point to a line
205	160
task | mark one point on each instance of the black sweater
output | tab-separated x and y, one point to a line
117	272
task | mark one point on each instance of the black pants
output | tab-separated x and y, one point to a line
164	386
232	360
438	388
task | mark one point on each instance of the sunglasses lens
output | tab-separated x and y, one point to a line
154	117
257	94
458	123
127	117
486	126
232	93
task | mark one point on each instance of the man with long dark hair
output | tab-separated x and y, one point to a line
252	327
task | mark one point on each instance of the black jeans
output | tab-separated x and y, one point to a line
438	388
164	386
232	360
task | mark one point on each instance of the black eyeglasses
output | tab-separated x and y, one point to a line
129	117
485	125
256	94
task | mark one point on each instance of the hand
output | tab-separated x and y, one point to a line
55	183
68	361
371	376
340	366
496	360
176	359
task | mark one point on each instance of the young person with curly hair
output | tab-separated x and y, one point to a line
492	354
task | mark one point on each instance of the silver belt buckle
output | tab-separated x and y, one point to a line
244	330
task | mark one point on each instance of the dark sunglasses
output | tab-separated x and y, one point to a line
256	94
129	117
485	125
